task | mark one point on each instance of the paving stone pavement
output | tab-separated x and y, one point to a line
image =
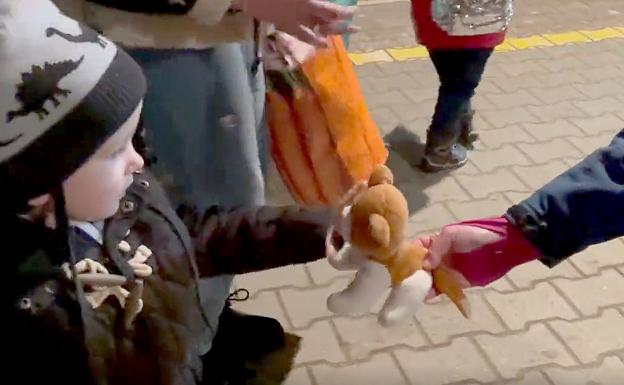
539	112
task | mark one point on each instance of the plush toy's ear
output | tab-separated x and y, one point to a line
381	175
379	229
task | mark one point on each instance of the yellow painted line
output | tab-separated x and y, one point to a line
400	54
505	47
529	42
509	45
567	38
603	34
370	57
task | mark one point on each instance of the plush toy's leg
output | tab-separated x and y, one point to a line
370	283
347	258
405	298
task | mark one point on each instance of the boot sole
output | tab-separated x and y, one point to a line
427	166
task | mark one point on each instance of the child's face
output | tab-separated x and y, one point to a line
94	191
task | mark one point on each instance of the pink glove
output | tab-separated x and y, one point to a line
480	260
308	20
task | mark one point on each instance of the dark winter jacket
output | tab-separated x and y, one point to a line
54	333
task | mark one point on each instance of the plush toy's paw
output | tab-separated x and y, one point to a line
405	298
370	283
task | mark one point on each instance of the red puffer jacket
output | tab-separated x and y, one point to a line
431	36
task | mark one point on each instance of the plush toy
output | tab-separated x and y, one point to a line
373	228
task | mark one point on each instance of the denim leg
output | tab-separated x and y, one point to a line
460	72
201	126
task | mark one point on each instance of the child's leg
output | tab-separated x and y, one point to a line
459	72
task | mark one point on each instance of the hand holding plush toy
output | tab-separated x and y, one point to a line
374	230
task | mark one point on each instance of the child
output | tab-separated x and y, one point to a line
459	62
102	274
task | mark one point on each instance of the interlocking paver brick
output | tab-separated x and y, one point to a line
495	204
590	338
543	152
563	63
421	94
305	306
439	190
608	373
560	78
322	272
456	362
319	343
528	274
561	110
519	308
596	257
442	321
500	180
390	98
518	98
532	67
504	117
547	131
431	217
410	110
602	73
593	293
557	94
530	378
517	196
601	89
360	336
515	83
496	138
537	176
489	160
605	123
380	369
536	346
591	144
390	82
597	107
298	376
294	275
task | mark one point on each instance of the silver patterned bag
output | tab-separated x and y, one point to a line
471	17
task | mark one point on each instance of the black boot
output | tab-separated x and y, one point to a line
467	136
443	153
242	342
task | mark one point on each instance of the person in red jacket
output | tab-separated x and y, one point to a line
459	62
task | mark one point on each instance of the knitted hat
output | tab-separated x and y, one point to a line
64	90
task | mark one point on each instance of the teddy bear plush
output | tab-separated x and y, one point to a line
373	228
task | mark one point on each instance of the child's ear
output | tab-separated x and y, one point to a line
42	208
39	201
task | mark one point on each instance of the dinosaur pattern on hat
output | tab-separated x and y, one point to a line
41	85
87	35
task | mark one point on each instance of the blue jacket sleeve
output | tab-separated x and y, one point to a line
581	207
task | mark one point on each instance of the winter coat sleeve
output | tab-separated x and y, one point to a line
244	240
581	207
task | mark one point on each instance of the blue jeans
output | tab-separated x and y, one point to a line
345	37
202	122
460	72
